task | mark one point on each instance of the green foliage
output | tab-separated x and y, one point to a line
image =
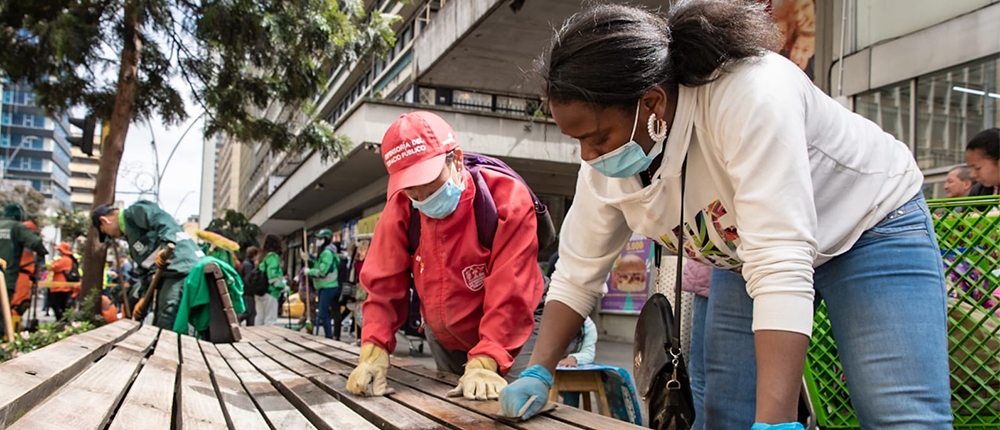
235	226
72	224
88	311
254	65
31	201
47	334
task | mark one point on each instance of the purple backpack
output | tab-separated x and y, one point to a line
485	208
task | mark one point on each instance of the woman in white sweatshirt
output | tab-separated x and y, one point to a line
790	193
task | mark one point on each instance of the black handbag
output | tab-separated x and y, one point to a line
660	373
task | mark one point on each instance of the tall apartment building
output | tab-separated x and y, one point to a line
209	178
227	176
83	176
33	146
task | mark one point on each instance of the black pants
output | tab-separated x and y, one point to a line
58	302
251	311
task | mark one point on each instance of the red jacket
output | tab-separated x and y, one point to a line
471	299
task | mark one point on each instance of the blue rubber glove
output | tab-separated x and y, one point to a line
527	395
785	426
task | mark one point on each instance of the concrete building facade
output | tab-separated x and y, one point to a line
209	178
926	71
83	176
227	177
33	146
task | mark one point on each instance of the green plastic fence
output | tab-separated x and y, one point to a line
968	232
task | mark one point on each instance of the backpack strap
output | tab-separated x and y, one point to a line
485	209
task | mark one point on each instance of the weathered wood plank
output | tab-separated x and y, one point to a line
439	410
345	361
324	411
381	411
240	410
167	347
422	383
88	401
149	403
199	406
29	379
277	410
141	341
255	334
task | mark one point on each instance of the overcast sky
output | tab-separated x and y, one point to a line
180	187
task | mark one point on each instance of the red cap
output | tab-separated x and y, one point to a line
414	149
31	225
64	248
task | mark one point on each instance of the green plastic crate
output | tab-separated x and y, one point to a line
968	232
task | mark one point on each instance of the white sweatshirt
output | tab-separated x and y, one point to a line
780	179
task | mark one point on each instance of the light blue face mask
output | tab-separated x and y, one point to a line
442	202
629	159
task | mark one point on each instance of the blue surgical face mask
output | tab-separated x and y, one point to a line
629	159
442	202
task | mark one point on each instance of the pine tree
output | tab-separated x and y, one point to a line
255	66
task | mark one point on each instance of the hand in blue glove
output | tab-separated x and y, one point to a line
785	426
527	395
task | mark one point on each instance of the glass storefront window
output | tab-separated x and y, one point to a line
889	107
951	107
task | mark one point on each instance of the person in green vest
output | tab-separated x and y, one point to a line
148	229
14	237
270	264
325	277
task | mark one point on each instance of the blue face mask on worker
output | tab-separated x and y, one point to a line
443	201
629	159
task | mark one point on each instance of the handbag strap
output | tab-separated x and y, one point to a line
675	341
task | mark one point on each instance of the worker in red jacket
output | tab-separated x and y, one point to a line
477	303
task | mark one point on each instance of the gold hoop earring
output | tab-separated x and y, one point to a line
657	128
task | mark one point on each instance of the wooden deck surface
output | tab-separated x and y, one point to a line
127	376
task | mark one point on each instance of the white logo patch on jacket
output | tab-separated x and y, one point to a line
475	276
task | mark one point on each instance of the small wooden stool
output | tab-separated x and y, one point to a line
583	381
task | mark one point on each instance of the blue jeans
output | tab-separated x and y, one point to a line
328	298
696	359
887	307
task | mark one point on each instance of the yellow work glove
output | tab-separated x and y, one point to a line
368	379
480	381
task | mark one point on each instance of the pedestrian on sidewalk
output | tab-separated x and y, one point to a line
270	265
791	194
326	277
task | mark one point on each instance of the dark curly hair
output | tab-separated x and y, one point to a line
610	55
272	243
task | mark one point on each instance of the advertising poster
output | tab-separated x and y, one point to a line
797	21
628	285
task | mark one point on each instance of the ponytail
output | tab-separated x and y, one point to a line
708	35
610	55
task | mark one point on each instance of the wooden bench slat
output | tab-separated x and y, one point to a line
432	407
277	410
427	385
321	408
149	402
141	340
199	405
381	411
167	347
240	410
88	401
30	378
